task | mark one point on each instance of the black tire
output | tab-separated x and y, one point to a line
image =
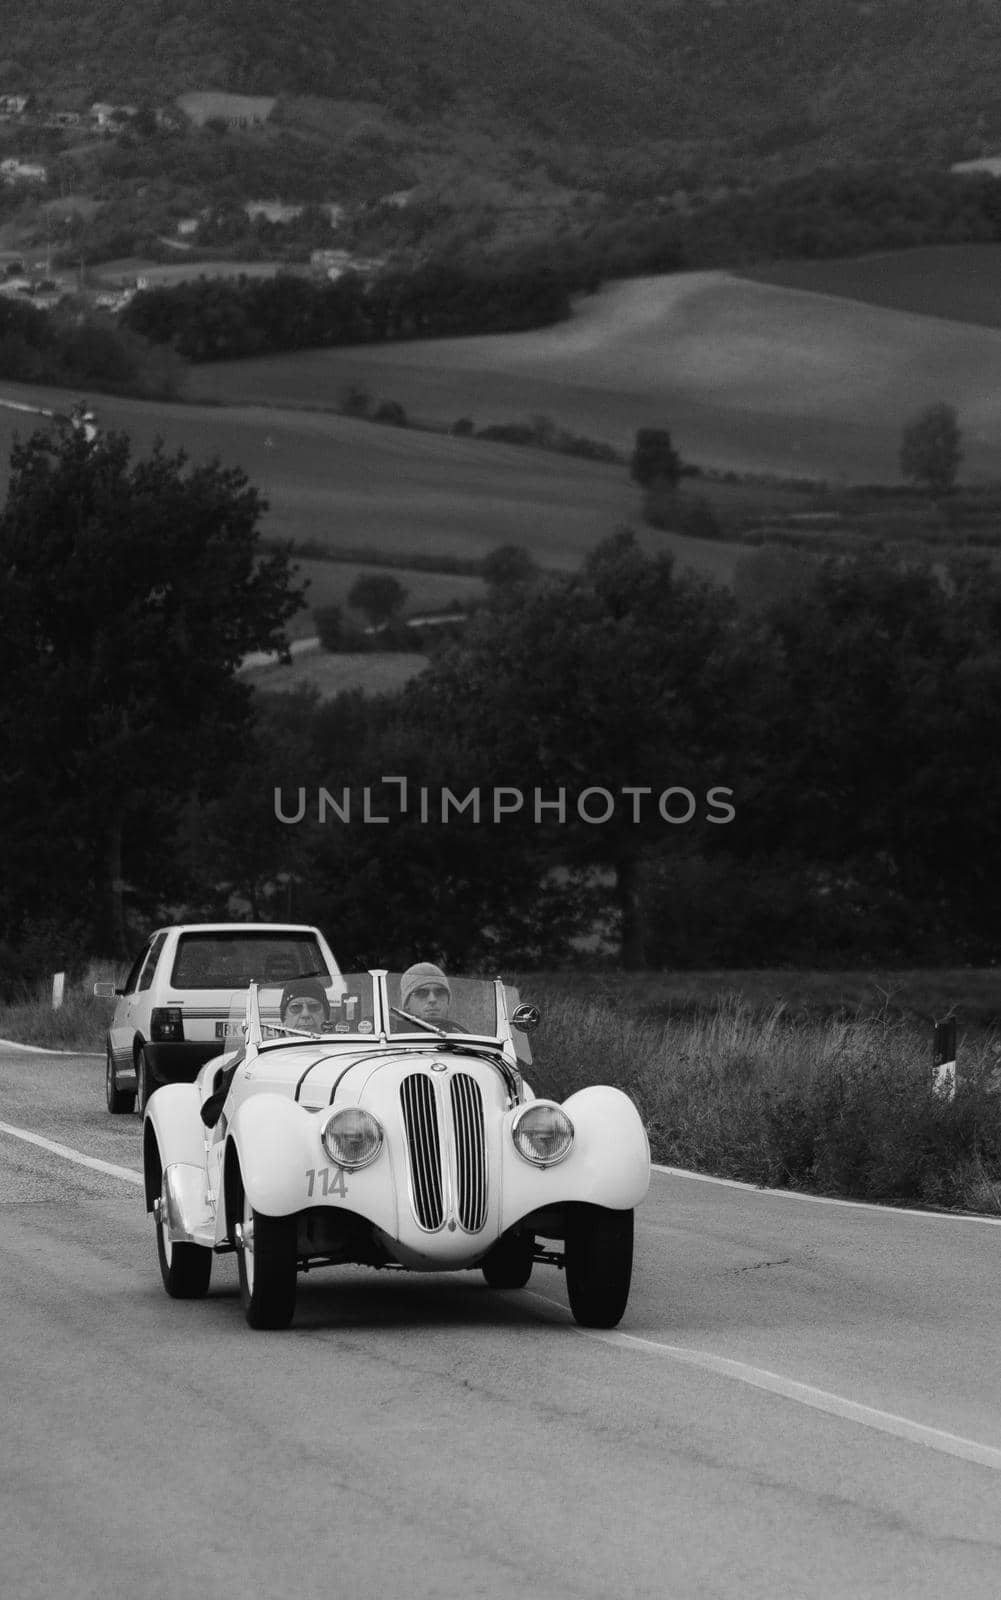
145	1082
599	1263
118	1100
184	1268
509	1264
269	1268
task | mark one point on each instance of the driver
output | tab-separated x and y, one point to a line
305	1005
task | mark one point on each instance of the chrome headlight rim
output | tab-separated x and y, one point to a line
357	1163
533	1108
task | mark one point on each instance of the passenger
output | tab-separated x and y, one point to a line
426	993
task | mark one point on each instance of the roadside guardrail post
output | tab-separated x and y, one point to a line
944	1061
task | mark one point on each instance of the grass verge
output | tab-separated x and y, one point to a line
803	1096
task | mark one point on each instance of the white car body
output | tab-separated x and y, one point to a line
174	1009
447	1187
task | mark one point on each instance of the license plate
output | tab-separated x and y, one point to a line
229	1030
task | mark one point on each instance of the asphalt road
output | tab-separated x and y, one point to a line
802	1400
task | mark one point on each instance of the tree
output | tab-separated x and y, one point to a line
607	688
508	564
129	593
930	448
378	596
654	459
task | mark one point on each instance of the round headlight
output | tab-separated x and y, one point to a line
352	1138
543	1134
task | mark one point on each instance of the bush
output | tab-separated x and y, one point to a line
665	508
654	459
391	412
508	433
356	401
463	427
577	444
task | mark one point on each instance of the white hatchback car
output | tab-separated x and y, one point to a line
173	1012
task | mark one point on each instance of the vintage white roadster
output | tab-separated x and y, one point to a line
368	1130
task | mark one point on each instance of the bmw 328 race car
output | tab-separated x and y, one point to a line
370	1122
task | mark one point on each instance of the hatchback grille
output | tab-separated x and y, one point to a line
470	1152
427	1185
420	1118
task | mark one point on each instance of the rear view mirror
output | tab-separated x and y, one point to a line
106	991
526	1018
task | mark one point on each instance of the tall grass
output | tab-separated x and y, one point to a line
80	1023
835	1106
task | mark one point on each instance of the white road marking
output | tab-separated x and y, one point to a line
806	1394
128	1173
40	1050
826	1199
836	1405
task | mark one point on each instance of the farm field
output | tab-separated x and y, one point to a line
347	483
959	281
748	376
427	592
378	673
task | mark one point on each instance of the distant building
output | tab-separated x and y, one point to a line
336	262
107	117
14	171
235	110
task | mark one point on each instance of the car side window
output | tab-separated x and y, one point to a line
129	986
149	967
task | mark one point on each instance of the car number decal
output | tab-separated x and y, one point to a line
332	1182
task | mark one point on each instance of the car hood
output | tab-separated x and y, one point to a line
319	1076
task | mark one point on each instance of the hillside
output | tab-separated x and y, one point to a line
747	376
603	88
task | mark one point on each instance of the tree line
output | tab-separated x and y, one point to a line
209	319
627	757
481	289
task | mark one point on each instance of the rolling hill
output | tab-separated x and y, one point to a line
711	82
748	376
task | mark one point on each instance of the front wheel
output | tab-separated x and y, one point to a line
269	1268
509	1264
118	1100
184	1268
599	1263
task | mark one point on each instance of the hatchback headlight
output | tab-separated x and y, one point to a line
351	1137
542	1133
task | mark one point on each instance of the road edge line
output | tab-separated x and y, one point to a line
129	1174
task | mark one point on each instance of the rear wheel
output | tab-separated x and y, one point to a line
118	1100
599	1263
269	1268
509	1264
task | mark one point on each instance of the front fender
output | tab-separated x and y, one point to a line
276	1141
609	1164
173	1134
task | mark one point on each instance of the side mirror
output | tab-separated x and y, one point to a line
525	1018
106	991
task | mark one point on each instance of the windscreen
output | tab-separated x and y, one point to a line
310	1007
431	1002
